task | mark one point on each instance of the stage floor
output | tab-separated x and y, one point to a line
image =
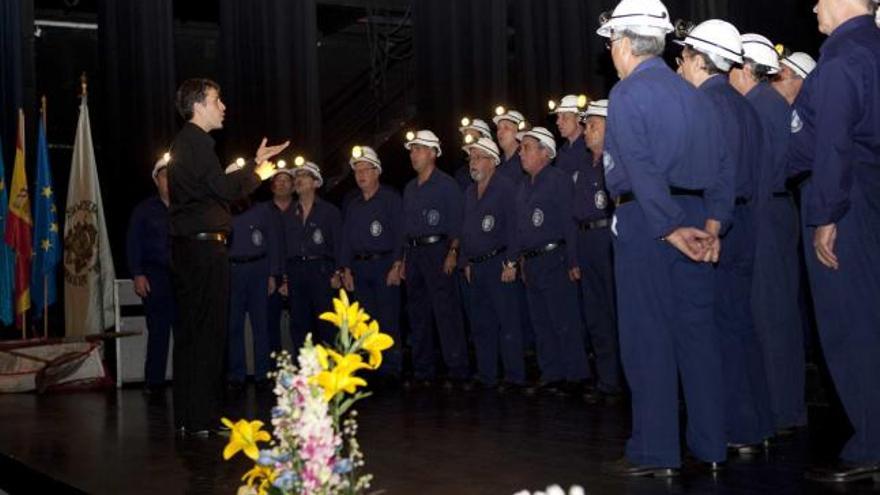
425	443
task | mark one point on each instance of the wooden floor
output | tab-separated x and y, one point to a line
427	442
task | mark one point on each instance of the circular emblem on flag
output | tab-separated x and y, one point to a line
318	236
574	176
488	223
257	237
537	217
607	161
80	242
433	217
601	200
796	123
376	228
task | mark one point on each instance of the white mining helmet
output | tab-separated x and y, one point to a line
645	17
718	39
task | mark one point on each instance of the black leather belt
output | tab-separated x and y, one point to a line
484	257
782	194
240	260
425	240
371	256
546	248
674	191
314	257
740	201
595	224
208	236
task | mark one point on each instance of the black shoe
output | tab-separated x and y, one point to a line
622	467
469	385
844	472
417	384
594	396
745	448
462	384
556	388
153	389
576	389
695	464
478	386
787	432
512	388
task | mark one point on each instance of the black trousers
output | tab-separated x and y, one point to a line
200	274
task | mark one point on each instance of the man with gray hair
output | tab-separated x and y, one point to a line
546	234
793	69
710	51
487	242
837	139
777	271
662	160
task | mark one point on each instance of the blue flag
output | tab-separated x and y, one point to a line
47	246
7	257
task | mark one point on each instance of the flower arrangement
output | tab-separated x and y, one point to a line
313	447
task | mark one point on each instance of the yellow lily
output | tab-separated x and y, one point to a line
360	329
345	313
348	363
341	378
374	344
244	437
322	356
263	474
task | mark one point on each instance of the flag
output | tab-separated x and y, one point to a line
18	226
7	257
47	248
88	263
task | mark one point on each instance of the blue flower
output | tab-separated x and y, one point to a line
285	480
278	412
266	458
286	380
343	466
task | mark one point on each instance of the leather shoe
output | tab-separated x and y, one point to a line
844	472
745	448
622	467
594	396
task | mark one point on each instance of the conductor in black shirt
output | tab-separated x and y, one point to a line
200	194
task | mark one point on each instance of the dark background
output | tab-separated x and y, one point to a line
325	73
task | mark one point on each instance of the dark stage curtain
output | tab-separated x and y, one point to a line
461	64
557	52
270	75
17	76
136	94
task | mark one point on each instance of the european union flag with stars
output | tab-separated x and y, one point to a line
7	257
47	246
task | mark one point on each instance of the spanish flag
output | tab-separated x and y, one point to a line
19	225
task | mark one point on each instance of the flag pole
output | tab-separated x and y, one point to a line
17	254
45	276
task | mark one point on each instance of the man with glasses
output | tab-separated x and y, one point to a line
662	158
711	49
488	244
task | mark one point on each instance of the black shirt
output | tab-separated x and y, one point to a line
200	191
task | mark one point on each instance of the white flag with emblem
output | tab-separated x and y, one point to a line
88	263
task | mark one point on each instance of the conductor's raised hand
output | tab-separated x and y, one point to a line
265	152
